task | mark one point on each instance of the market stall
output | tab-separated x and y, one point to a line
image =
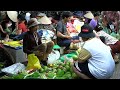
57	69
16	50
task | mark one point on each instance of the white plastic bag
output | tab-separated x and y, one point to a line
14	69
55	55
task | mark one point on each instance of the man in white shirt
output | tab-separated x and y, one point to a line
99	64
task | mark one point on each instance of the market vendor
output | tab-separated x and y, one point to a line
22	28
47	30
94	22
95	60
63	37
88	17
32	42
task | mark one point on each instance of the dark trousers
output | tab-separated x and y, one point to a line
66	42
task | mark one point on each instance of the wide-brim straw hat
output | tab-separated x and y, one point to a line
12	15
32	22
44	20
89	15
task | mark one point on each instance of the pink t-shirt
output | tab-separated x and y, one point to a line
71	28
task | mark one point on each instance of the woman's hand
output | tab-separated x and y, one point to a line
68	37
21	41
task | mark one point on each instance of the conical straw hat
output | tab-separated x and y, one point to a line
44	20
89	15
12	15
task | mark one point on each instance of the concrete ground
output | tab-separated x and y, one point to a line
116	74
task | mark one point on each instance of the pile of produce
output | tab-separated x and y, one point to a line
13	44
58	70
71	56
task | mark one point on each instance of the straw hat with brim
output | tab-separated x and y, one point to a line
12	15
89	15
44	20
86	32
32	22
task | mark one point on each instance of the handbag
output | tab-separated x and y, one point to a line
83	54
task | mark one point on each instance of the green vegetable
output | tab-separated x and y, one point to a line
18	76
41	70
75	57
51	75
60	73
67	67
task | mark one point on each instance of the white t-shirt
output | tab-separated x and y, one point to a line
101	64
108	38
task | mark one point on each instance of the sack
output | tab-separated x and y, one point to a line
83	55
33	62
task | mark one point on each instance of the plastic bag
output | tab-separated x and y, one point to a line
67	57
55	55
33	62
14	69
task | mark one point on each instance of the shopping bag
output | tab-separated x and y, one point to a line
83	55
33	62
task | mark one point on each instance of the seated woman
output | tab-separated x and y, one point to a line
110	41
95	60
32	42
47	30
22	28
71	28
21	25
